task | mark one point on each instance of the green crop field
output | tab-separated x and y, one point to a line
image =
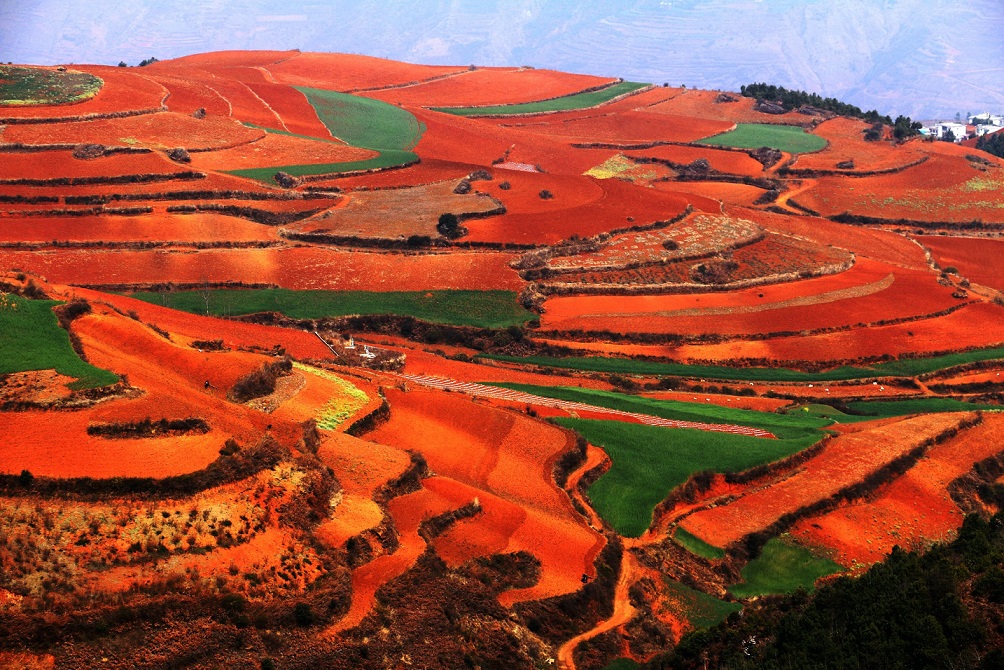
696	545
564	103
827	412
701	610
785	426
365	122
622	664
782	567
888	408
359	122
26	86
485	309
907	367
648	462
31	339
792	139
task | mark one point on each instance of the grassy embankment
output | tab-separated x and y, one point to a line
562	104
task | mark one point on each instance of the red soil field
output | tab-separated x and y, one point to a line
123	91
880	245
635	127
426	172
491	86
349	72
870	291
300	344
846	460
973	326
581	205
278	150
187	96
846	142
728	194
225	59
945	188
914	510
701	104
297	114
292	267
244	104
977	259
508	455
164	130
204	227
52	164
731	162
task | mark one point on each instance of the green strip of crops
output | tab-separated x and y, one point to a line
782	567
910	367
648	462
31	339
891	408
485	309
28	86
359	122
701	610
792	139
696	545
564	103
785	426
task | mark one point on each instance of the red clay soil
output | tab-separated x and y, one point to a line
846	142
739	195
973	326
244	104
915	510
637	127
880	245
187	96
122	91
349	72
740	402
869	291
505	454
225	59
977	259
296	113
491	86
423	363
731	162
164	130
635	102
159	226
702	105
278	150
292	267
53	164
945	188
846	460
580	206
426	172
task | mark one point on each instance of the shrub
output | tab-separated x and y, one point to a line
449	226
545	195
303	615
505	186
261	382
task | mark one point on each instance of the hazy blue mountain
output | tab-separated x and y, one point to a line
923	58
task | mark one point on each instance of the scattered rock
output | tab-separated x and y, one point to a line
846	165
768	107
200	113
463	187
179	155
88	151
726	97
286	180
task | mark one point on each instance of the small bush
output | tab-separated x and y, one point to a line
545	195
303	615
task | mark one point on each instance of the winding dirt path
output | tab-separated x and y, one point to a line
782	200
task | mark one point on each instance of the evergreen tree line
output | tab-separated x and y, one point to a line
903	126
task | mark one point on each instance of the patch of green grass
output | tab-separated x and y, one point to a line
871	409
622	664
365	122
696	545
359	122
648	462
782	567
785	426
908	367
28	86
31	339
701	610
792	139
485	309
564	103
826	412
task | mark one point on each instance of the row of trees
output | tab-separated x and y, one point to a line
790	99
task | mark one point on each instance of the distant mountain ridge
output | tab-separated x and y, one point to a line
922	58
